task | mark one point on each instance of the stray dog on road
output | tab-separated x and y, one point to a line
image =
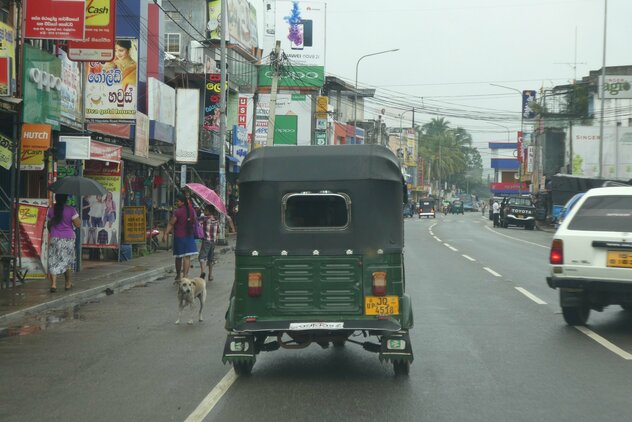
188	290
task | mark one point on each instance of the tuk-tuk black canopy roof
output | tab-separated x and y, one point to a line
314	163
369	174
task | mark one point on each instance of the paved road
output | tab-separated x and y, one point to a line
489	343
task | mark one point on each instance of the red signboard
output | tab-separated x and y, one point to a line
509	186
98	45
105	152
54	19
519	148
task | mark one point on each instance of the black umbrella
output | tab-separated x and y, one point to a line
78	186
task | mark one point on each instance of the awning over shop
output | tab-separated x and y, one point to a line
154	160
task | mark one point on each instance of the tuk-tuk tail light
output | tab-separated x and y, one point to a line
379	283
255	284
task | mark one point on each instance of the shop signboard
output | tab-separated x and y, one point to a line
187	125
42	87
141	142
102	151
77	147
242	23
71	106
293	120
300	26
321	137
31	219
240	143
134	225
245	112
5	77
111	87
161	102
98	44
100	214
36	137
616	152
616	86
6	152
7	51
294	77
54	19
212	98
31	160
528	103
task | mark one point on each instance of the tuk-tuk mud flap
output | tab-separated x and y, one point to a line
396	347
239	348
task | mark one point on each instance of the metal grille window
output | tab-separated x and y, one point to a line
316	211
172	43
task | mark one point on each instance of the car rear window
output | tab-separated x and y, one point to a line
316	211
525	202
604	213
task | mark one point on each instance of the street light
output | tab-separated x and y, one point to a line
355	95
506	128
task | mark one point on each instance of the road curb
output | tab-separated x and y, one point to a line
84	296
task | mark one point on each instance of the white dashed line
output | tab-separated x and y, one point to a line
469	257
605	343
437	239
451	247
531	296
492	272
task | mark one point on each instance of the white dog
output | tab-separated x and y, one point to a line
188	290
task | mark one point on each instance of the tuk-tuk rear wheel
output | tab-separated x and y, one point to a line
401	367
243	367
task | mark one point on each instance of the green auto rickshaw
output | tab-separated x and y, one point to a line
319	254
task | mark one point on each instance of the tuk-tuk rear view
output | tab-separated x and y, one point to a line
319	254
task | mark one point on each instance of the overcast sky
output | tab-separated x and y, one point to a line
451	50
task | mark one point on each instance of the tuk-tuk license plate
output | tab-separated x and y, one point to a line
381	305
619	259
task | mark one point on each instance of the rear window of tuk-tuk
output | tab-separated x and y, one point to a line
305	211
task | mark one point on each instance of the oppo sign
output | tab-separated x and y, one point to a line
44	80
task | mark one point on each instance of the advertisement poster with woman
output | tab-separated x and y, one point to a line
111	87
101	214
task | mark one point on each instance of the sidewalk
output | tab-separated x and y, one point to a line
97	278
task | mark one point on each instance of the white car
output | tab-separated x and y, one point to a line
591	254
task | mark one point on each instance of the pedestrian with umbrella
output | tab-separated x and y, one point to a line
62	219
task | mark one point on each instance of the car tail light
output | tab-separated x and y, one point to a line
379	283
254	284
556	256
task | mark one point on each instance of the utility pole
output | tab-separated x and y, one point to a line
601	87
221	238
275	62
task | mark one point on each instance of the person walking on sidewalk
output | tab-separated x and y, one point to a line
61	222
181	224
207	250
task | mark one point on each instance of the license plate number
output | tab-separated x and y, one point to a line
619	259
381	305
520	216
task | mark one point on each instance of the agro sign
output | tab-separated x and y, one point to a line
54	19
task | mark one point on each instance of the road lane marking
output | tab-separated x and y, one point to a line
515	238
605	343
531	296
492	272
451	247
469	257
437	239
209	402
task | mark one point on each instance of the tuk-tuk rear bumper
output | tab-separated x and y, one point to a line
341	325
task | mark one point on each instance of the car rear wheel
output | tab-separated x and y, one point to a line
576	315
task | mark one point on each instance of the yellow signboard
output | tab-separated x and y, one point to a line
134	225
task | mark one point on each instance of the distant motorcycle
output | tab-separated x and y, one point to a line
152	236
